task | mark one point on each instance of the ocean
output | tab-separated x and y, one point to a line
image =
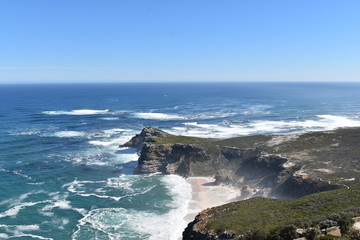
63	176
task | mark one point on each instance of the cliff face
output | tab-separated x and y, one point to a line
281	166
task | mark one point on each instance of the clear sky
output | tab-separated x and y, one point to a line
179	40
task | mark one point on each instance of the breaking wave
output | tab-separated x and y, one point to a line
77	112
322	122
120	223
159	116
69	134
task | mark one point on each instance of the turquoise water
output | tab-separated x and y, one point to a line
63	176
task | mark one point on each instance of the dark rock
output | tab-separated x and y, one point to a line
147	135
223	177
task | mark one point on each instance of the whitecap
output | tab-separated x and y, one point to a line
116	131
18	200
25	132
90	157
322	123
4	236
69	134
19	173
16	209
77	112
78	188
110	118
17	231
158	116
31	236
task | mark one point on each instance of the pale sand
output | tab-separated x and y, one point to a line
357	225
206	195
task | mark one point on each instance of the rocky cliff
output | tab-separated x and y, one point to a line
281	166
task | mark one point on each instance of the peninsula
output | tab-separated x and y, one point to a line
311	176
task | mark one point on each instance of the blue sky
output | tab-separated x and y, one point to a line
187	40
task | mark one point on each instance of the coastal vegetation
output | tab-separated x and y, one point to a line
264	218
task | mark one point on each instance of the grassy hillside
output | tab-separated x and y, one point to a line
270	214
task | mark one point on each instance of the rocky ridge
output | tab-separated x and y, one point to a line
281	166
284	166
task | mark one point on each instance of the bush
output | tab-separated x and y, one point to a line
345	223
327	237
354	234
312	234
328	223
288	233
254	235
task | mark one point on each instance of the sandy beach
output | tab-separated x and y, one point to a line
205	195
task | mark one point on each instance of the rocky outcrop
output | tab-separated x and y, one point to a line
283	166
280	166
147	135
170	158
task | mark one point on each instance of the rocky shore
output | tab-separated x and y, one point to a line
280	166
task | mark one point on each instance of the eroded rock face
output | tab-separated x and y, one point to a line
169	158
295	166
147	135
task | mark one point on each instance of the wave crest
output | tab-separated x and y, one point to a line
77	112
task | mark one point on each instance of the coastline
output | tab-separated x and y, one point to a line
205	194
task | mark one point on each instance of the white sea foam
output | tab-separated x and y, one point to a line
113	144
110	118
17	231
119	183
159	116
60	223
4	236
69	134
77	112
25	132
58	201
18	200
116	131
78	188
19	173
36	183
166	117
31	236
90	157
101	143
16	209
113	138
26	228
323	122
118	223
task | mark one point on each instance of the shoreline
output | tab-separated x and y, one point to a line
205	194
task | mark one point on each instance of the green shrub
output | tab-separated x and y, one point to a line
354	234
312	234
288	233
345	223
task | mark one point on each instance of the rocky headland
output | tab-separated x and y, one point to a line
272	166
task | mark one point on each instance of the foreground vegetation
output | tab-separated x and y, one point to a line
261	218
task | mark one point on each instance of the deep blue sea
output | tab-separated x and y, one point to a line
62	175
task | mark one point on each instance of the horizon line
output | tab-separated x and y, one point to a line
169	82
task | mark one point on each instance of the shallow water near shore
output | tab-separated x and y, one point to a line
63	176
